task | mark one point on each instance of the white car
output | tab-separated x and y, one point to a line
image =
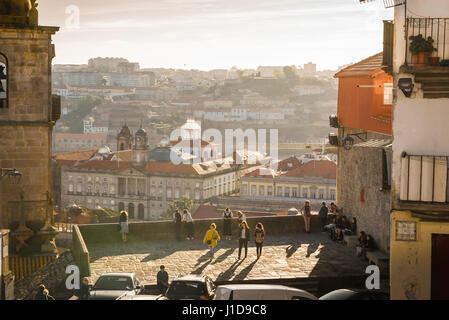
260	292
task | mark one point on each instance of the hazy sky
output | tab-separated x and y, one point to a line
208	34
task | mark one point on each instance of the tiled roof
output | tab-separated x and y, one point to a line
104	165
362	68
169	167
262	172
288	164
78	155
93	136
315	168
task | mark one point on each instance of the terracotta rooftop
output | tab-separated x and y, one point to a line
93	136
78	155
315	168
366	67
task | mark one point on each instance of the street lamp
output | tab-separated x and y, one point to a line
14	176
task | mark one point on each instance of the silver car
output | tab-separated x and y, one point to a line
111	286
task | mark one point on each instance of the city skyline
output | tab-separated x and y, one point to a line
213	34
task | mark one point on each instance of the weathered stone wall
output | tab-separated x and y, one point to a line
25	126
159	230
358	192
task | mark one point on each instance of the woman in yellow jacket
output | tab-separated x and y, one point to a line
211	238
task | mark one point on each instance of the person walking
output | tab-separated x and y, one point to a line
43	294
259	236
307	213
124	227
211	238
177	219
244	238
162	280
188	220
324	210
227	224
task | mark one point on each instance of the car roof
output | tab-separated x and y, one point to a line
338	294
119	274
140	297
259	287
190	277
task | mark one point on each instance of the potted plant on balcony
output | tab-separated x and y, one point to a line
421	49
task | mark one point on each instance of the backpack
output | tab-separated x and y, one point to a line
178	217
259	236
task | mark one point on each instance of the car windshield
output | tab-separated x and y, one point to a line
186	289
113	283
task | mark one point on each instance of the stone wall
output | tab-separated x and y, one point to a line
25	126
359	184
159	230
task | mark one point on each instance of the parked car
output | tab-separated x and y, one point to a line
142	297
346	294
191	287
110	286
261	292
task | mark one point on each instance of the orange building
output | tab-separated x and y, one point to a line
365	96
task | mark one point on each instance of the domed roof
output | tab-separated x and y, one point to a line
104	150
141	131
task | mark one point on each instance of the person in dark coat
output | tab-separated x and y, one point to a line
84	290
43	294
244	238
259	235
177	219
227	223
162	280
324	210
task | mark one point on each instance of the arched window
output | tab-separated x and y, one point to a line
131	210
3	81
141	212
121	206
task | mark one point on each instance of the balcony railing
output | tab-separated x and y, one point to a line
424	179
437	28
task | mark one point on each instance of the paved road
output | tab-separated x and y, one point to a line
291	256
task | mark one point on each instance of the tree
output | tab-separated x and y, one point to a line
180	204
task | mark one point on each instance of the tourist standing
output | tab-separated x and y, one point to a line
259	235
307	214
227	224
323	215
177	219
124	227
211	239
244	238
188	220
162	280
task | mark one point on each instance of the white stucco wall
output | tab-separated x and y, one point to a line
420	126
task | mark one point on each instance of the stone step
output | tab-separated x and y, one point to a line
351	241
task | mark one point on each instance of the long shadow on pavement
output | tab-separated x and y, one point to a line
244	273
227	275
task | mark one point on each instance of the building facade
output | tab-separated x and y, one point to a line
314	181
419	220
142	181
